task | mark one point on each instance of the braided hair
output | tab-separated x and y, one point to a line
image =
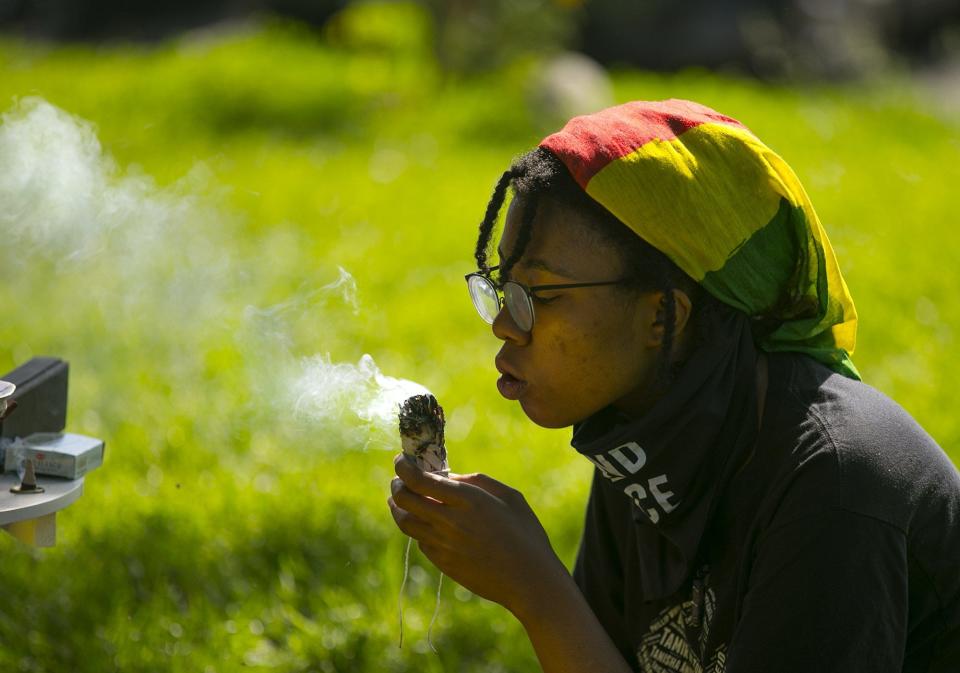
539	175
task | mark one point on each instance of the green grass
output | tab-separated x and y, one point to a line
224	533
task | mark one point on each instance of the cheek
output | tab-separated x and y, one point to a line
587	365
608	360
562	385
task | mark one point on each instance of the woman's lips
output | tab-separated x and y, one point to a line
510	386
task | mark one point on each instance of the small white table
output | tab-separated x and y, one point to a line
32	517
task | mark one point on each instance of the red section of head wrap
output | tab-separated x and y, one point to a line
587	144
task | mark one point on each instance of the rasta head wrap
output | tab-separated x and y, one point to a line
726	209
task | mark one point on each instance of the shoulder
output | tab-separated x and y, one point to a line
829	442
843	474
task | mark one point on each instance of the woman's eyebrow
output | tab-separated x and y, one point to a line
542	264
549	267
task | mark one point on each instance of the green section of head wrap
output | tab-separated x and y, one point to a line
779	277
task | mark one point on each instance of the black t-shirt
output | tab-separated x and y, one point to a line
835	547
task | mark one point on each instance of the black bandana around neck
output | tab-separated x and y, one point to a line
673	462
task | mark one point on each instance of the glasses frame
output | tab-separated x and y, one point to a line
528	293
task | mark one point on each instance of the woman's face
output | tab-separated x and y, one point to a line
589	347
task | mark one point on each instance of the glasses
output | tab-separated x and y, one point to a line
488	297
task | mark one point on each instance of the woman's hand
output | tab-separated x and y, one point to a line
484	535
479	532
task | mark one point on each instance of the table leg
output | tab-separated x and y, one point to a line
39	532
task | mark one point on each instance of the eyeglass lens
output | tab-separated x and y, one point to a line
518	303
484	295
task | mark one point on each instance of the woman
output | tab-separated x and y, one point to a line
668	291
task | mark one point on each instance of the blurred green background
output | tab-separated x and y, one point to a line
225	532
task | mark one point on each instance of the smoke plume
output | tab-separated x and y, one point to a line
126	272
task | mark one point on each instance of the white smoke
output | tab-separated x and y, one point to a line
55	186
341	394
345	404
62	195
157	266
116	241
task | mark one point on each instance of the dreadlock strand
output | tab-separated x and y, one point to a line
490	218
524	235
669	330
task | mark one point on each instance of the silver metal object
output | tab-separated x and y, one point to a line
6	390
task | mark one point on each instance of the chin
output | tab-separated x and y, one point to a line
546	417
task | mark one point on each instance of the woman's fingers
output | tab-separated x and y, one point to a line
410	523
476	529
424	508
488	484
432	552
448	491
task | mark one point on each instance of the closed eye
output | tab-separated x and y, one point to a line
544	300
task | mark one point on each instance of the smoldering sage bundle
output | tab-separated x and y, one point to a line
421	436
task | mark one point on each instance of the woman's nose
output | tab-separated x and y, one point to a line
505	329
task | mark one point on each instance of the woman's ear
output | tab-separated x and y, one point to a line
682	307
650	318
655	302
